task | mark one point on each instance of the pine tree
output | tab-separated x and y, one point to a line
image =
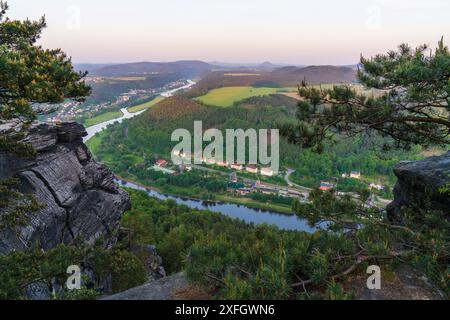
411	107
31	75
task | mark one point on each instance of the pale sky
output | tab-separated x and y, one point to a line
280	31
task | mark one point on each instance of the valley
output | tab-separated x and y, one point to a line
132	149
126	173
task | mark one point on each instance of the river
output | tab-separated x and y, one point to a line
93	130
249	215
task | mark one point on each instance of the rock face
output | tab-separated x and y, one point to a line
80	196
163	289
174	287
403	283
420	184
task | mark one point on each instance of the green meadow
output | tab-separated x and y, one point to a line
146	105
102	118
227	96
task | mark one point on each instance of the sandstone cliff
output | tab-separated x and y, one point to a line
79	194
421	183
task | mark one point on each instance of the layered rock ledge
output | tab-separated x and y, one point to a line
422	184
80	196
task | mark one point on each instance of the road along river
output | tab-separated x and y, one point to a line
127	115
246	214
249	215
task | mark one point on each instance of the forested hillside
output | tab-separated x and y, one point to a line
135	145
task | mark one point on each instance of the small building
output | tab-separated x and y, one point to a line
183	167
222	164
326	186
176	152
268	191
237	166
267	172
355	175
184	155
376	186
252	169
264	189
296	193
162	163
345	175
243	191
233	177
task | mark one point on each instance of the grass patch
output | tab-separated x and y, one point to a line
255	204
94	143
227	96
146	105
102	118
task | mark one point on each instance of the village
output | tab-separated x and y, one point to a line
243	186
71	110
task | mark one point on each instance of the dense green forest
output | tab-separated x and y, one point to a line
136	144
236	260
226	257
110	88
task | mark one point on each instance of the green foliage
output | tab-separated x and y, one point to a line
124	267
13	145
30	74
242	261
15	208
411	108
18	269
271	198
420	236
132	147
336	292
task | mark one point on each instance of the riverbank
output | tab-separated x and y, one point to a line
219	198
235	211
126	114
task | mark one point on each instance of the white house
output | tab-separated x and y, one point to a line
176	152
376	186
222	164
237	166
267	172
252	169
355	175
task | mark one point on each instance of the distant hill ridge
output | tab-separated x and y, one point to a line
188	68
196	68
281	77
316	74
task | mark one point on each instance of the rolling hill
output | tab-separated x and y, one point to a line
315	74
281	77
188	69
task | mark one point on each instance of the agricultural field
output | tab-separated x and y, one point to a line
293	92
129	78
227	96
102	118
146	105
